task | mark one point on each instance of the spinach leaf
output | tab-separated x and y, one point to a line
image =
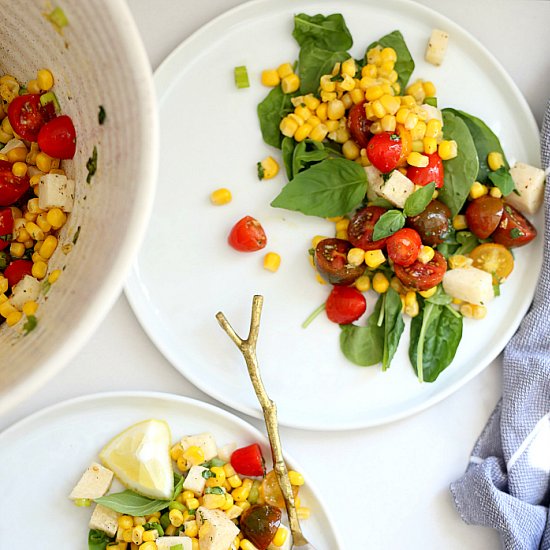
435	335
307	152
271	110
502	179
287	150
485	142
393	326
329	32
461	171
131	503
467	242
97	540
313	63
404	65
388	223
440	298
417	202
332	187
364	346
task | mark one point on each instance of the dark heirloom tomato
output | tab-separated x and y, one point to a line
6	227
403	246
359	125
259	523
331	261
419	276
432	224
433	172
345	304
514	229
26	116
17	270
384	151
12	188
361	228
57	138
483	215
247	235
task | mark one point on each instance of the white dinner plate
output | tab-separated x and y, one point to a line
44	455
210	138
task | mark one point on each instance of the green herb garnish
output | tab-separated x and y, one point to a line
29	326
91	165
58	18
101	115
241	77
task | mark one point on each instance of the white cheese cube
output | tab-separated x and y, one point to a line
375	182
437	47
165	543
205	441
432	112
13	143
104	519
220	532
27	289
195	481
56	190
469	284
396	189
530	186
225	452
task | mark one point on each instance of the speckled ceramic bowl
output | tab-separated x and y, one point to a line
98	59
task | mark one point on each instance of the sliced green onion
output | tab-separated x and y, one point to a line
176	547
82	502
50	97
241	77
431	101
313	315
58	18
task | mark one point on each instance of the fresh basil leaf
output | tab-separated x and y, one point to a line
97	540
287	150
404	65
154	525
271	110
313	63
431	101
213	462
178	485
213	491
128	502
329	32
30	324
502	179
467	242
461	171
393	326
379	201
306	153
417	202
207	474
332	187
449	244
388	223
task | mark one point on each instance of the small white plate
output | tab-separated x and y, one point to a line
44	455
210	138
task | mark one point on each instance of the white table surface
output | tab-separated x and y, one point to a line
393	480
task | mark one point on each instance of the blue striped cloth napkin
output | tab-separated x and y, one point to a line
507	483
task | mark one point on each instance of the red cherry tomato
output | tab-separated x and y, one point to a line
419	276
331	261
6	227
345	304
483	215
403	246
433	172
514	229
248	461
26	116
17	270
361	228
12	188
359	125
384	151
57	138
247	235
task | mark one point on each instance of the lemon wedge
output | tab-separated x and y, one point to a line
140	458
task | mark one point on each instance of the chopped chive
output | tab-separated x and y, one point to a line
82	502
58	18
241	77
91	165
313	315
50	97
176	547
102	115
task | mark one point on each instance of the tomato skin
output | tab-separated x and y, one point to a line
419	276
384	151
259	524
483	215
403	246
345	304
17	270
361	228
57	138
247	235
26	116
432	224
406	144
494	258
433	172
6	226
331	261
12	188
359	125
513	229
248	461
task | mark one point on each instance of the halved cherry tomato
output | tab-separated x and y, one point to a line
419	276
406	144
359	125
331	261
494	258
248	461
6	227
361	228
247	235
483	215
259	524
26	116
345	304
17	270
514	229
432	224
12	188
57	138
384	151
433	172
272	491
403	246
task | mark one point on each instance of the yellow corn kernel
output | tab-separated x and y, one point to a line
319	132
429	89
284	70
194	455
393	77
176	517
32	206
311	102
17	250
290	83
229	470
356	256
6	308
303	512
288	126
426	254
417	91
357	95
245	544
372	93
417	146
18	155
378	108
374	258
53	276
30	217
411	304
430	145
44	79
269	168
212	501
433	128
342	224
148	546
303	132
362	283
479	312
192	503
35	180
34	231
303	112
56	218
280	537
350	150
13	318
459	222
220	197
272	261
125	522
30	308
346	85
127	535
340	135
428	293
271	78
39	269
328	96
417	159
386	67
295	478
182	463
314	121
137	534
43	162
3	284
459	260
316	240
349	67
150	535
48	247
467	310
478	190
327	84
42	222
3	298
241	493
19	169
380	283
495	160
448	149
411	121
369	70
6	127
335	109
495	192
388	54
388	123
374	56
